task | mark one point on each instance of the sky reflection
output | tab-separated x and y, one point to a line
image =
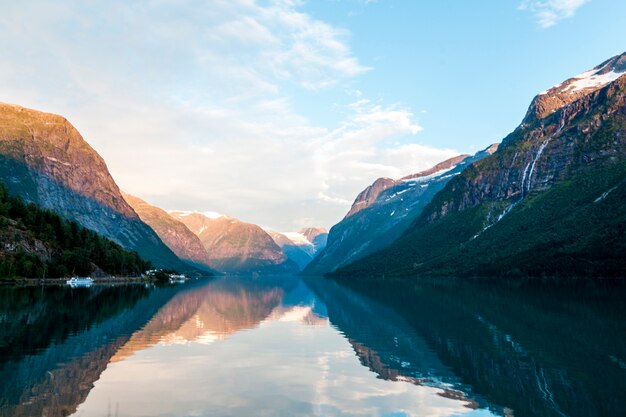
252	348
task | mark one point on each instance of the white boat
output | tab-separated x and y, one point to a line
80	282
177	279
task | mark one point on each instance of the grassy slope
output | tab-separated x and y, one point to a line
561	232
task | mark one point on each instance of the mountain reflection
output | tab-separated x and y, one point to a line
213	311
284	346
535	350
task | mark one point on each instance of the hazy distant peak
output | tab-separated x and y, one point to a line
207	214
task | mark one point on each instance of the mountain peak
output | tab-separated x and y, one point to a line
554	98
207	214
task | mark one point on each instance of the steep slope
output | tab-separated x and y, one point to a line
234	246
548	202
37	243
384	210
301	246
182	241
44	160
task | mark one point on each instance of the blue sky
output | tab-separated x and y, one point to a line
280	111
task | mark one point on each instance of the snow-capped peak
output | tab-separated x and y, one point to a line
297	238
595	78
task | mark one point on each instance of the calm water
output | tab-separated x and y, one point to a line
292	347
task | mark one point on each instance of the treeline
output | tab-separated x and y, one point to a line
73	249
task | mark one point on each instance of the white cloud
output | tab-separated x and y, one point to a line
549	12
193	107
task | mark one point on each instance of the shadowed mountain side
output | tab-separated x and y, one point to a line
384	210
44	160
292	250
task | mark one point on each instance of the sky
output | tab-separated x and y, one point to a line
279	112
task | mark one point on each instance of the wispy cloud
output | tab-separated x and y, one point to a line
194	106
549	12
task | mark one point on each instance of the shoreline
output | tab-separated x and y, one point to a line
63	281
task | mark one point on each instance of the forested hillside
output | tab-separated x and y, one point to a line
39	243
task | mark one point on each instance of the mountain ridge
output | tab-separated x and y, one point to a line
234	246
546	203
382	212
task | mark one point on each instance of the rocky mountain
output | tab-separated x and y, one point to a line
302	246
182	241
384	210
548	202
44	160
234	246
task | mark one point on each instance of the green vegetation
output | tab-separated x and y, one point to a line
575	229
39	243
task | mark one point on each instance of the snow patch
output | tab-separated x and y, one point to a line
297	238
428	177
587	80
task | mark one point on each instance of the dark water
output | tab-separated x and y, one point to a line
291	347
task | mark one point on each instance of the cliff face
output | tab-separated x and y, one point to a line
44	160
234	246
383	211
182	241
549	201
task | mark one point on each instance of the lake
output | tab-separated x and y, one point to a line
291	346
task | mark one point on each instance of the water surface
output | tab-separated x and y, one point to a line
284	346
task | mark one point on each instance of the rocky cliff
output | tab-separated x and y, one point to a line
44	160
384	210
234	246
548	202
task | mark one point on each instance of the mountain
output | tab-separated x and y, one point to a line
549	202
44	160
234	246
316	236
37	243
384	210
182	241
302	246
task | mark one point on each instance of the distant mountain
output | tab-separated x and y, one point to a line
182	241
302	246
44	160
234	246
316	236
549	202
384	210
